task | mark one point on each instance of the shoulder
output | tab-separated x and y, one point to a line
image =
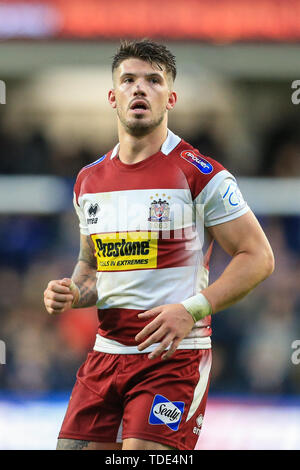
198	169
87	172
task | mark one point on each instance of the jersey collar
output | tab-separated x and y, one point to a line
169	144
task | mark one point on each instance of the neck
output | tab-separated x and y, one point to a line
136	149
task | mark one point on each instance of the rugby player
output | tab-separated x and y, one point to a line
149	212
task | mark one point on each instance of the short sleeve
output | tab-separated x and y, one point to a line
82	220
221	200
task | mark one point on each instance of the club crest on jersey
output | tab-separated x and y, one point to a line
164	411
199	162
159	211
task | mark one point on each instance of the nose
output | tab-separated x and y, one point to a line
139	89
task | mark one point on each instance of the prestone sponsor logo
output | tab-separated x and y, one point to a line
124	251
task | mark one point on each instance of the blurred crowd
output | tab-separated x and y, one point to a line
252	341
34	154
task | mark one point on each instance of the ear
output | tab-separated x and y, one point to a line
112	98
172	100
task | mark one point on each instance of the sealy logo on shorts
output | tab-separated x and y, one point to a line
199	162
164	411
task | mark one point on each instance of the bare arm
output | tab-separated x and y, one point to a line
84	274
80	290
252	261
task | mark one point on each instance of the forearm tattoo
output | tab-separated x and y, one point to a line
84	274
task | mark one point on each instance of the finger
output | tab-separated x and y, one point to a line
147	330
171	349
150	313
55	305
66	282
165	343
155	338
56	287
52	311
59	297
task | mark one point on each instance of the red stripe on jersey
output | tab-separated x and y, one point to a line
196	179
84	173
158	171
112	175
122	325
179	249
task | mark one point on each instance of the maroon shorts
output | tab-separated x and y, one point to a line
118	396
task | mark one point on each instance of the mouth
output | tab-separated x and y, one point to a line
139	106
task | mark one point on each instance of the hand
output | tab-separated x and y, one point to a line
171	324
60	295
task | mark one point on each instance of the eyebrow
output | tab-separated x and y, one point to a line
152	74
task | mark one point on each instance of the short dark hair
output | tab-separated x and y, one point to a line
146	50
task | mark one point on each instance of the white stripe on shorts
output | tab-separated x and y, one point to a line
204	371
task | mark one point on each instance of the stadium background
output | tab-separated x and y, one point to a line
237	62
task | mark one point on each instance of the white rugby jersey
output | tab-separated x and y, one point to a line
149	225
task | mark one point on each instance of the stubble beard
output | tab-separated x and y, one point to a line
139	126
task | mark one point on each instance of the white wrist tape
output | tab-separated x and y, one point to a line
198	306
74	289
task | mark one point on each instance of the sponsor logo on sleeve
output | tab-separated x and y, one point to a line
232	195
199	162
164	411
92	211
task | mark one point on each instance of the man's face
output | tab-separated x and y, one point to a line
142	95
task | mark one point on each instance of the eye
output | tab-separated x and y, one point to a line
128	80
